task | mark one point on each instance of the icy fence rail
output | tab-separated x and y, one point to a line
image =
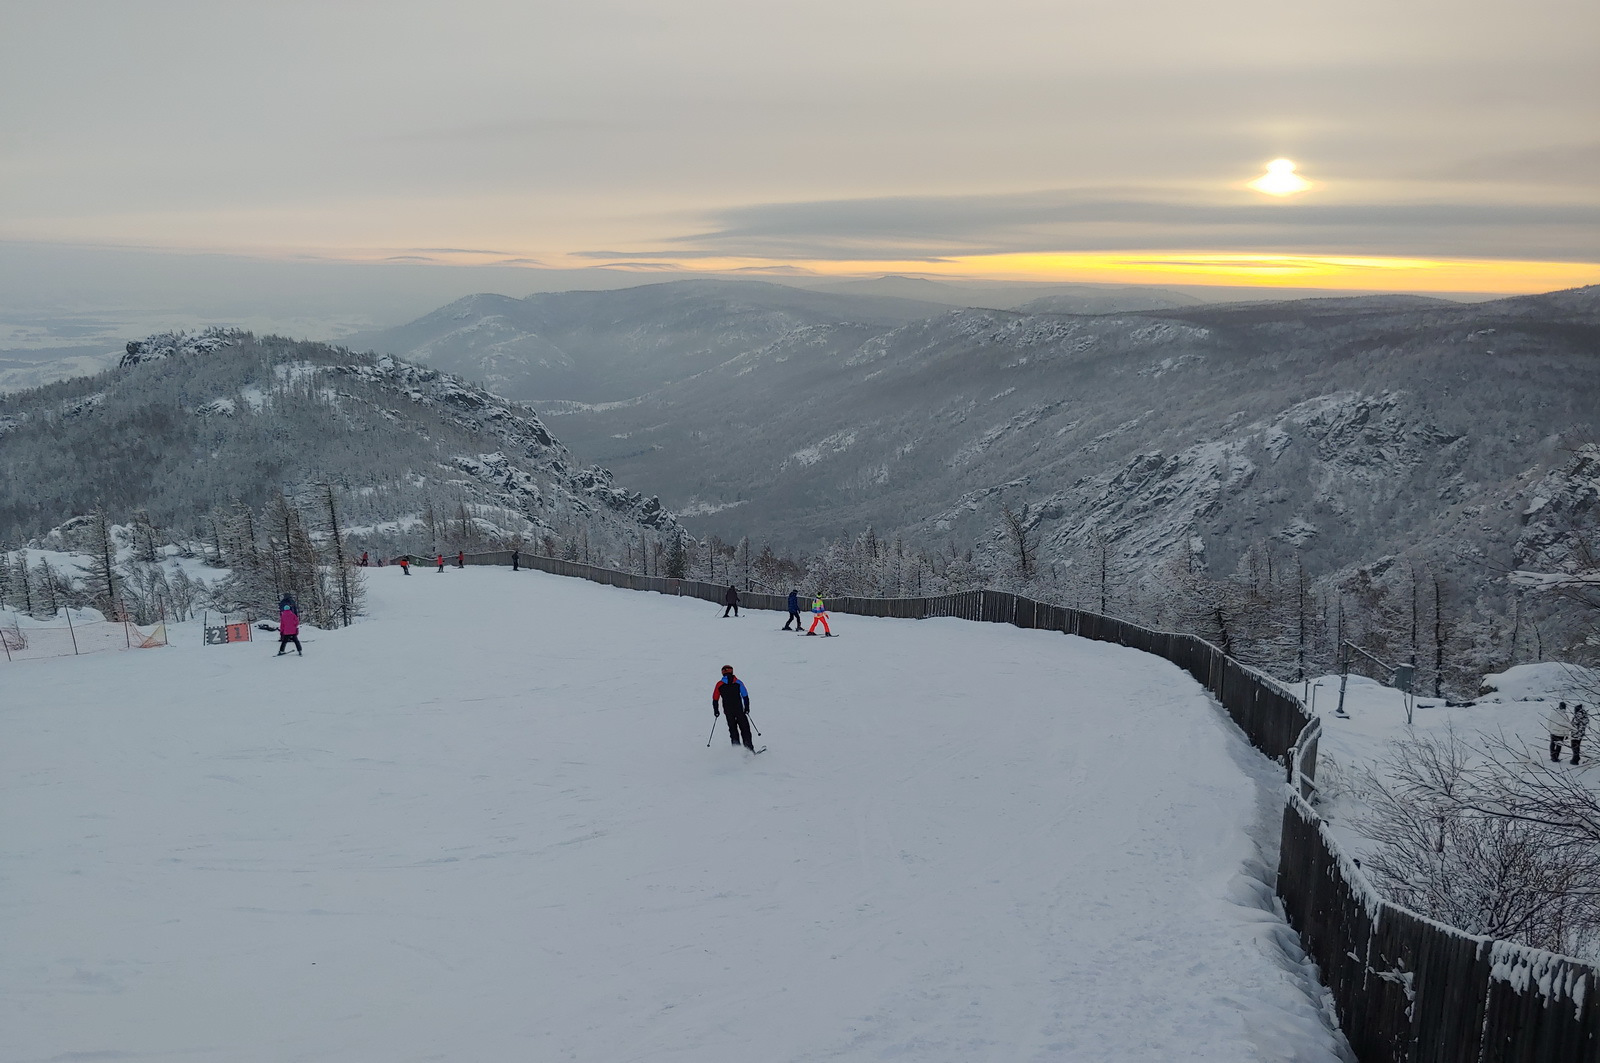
1407	989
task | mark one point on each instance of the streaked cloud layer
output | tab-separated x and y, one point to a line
823	136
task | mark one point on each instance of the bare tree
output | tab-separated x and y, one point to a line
1021	536
348	581
1468	835
103	567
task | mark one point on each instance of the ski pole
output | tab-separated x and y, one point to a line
752	724
712	735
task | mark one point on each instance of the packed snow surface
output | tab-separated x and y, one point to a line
484	824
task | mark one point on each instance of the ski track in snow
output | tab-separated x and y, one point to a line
483	824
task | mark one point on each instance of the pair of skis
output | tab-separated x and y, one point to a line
713	734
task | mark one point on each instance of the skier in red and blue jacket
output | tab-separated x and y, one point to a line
729	697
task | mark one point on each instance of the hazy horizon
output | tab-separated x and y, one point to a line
113	295
1439	148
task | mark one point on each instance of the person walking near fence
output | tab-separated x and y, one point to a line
730	698
516	559
289	630
730	600
794	612
1580	727
819	616
405	566
461	559
1559	723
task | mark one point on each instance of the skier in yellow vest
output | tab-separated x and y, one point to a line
819	616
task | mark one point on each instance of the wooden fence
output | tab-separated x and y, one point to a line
1407	989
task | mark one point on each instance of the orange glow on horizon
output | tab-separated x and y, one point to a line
1344	272
1194	268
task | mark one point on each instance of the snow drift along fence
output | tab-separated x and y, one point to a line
1407	989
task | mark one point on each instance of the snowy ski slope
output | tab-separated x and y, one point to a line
484	825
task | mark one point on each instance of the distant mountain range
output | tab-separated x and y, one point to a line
1040	298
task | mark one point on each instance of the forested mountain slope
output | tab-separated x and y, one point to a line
1347	428
190	424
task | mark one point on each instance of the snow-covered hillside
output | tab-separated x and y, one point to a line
484	824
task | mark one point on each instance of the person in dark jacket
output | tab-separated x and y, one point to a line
794	612
516	560
1580	727
730	698
731	600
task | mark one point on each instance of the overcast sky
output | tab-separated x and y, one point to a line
1000	138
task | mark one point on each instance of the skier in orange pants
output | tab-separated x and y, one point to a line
819	616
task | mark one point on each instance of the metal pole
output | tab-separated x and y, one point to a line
70	631
1344	680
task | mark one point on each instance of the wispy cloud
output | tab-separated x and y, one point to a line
929	228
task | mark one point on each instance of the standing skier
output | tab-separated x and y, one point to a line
1559	723
289	629
730	599
794	612
461	559
819	616
440	560
516	559
405	565
1580	727
730	697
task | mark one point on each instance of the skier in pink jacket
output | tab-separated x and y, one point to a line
289	631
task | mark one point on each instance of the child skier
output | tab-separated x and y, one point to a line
289	628
820	616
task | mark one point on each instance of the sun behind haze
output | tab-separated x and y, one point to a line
1018	138
1280	179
